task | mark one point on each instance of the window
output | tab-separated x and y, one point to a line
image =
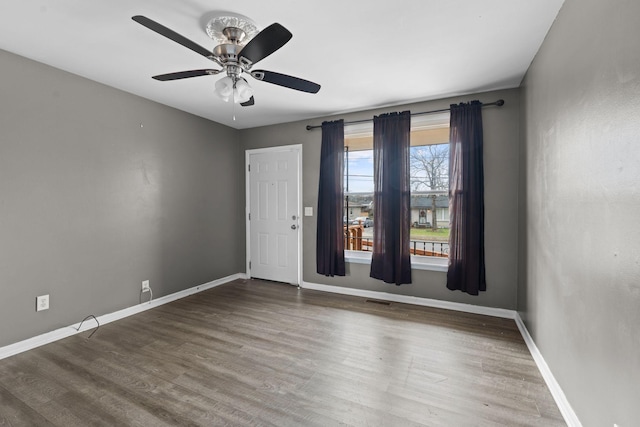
429	188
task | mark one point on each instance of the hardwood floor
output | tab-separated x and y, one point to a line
260	353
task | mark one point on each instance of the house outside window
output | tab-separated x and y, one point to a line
429	187
422	218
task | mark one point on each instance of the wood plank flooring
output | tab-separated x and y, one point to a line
260	353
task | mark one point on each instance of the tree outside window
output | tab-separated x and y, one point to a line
430	172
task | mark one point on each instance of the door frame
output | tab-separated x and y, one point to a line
297	148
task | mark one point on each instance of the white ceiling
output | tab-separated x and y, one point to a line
364	53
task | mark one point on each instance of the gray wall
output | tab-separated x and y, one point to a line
579	287
501	184
100	190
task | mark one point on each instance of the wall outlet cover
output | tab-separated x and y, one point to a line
145	286
42	302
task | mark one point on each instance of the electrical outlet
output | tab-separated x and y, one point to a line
42	302
145	286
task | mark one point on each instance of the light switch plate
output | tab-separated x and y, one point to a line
308	211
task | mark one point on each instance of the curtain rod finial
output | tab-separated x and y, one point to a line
500	102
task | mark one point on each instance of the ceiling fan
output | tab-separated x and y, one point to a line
240	47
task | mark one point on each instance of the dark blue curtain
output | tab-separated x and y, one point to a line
466	194
391	261
330	232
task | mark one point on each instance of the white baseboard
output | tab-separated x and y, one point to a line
406	299
567	412
65	332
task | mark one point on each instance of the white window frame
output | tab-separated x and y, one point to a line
428	263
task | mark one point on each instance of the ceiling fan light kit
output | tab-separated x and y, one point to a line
240	45
238	91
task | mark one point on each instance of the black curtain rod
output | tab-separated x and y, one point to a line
499	103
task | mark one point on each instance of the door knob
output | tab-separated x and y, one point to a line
293	227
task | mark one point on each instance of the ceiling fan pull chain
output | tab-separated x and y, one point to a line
233	101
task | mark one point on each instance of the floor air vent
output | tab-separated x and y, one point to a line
377	301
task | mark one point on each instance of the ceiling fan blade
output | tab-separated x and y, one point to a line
248	103
170	34
286	81
265	43
185	74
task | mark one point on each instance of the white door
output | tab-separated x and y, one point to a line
274	217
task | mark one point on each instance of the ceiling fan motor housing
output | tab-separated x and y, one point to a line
227	52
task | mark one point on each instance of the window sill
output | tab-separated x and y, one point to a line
417	262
